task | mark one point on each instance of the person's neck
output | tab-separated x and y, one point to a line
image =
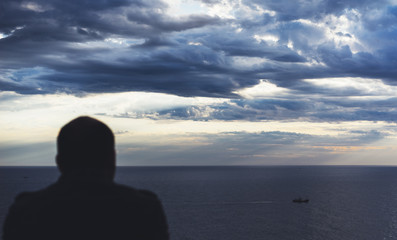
87	175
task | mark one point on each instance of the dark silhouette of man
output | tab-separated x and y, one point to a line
85	203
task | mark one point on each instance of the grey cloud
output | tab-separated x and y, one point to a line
49	36
9	86
384	20
365	64
234	44
226	148
165	23
46	35
292	10
77	21
341	34
242	148
311	110
191	73
210	2
366	137
42	153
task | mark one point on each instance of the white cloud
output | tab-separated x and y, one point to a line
263	89
33	119
223	9
366	86
3	35
35	7
185	7
247	62
195	43
268	38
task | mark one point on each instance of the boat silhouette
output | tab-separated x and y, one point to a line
300	200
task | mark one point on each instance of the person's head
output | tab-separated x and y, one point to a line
86	144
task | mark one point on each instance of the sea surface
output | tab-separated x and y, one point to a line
236	203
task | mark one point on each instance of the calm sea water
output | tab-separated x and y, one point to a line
253	202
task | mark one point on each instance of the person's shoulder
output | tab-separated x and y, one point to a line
147	193
31	198
27	195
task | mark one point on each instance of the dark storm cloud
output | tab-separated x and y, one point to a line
42	37
192	73
232	44
5	86
377	65
167	24
68	44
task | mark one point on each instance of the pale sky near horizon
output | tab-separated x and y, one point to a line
211	82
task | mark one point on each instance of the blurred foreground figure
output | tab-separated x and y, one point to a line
85	203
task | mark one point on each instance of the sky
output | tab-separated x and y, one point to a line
210	82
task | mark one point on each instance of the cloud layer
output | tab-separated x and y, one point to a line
123	45
231	148
228	81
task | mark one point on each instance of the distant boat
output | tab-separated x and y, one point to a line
300	200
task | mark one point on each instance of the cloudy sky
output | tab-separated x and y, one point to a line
211	82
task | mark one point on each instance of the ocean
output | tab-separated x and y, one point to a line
235	203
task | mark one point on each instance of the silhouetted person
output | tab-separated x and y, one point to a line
85	203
